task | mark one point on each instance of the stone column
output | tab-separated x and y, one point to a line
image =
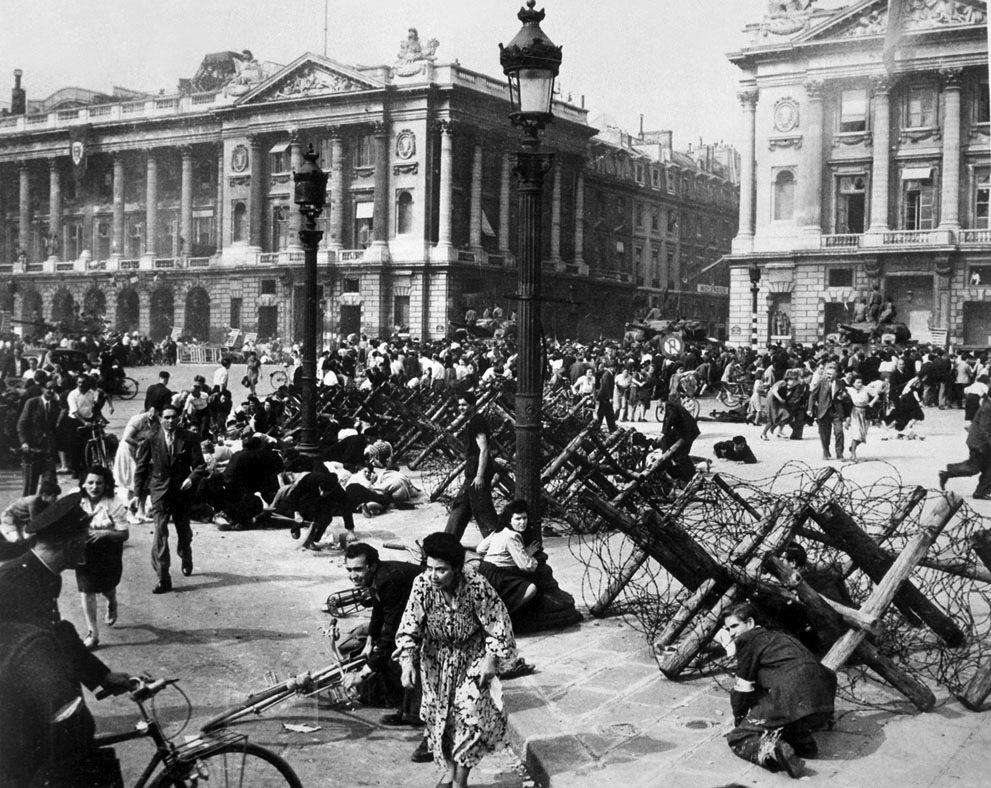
556	219
256	194
444	250
745	235
949	199
218	210
151	204
336	190
117	226
580	224
810	169
186	203
475	221
507	168
880	168
24	211
380	222
295	217
54	206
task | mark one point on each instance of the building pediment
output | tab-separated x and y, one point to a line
871	18
310	76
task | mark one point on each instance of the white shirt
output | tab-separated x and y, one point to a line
221	376
505	548
81	404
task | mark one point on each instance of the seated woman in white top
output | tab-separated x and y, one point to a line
506	563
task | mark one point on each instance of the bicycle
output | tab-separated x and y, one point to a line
733	393
277	379
328	679
216	757
687	391
122	387
99	449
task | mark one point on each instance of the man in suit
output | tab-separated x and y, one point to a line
168	464
36	429
389	584
159	395
829	404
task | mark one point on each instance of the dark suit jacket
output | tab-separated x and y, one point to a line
34	428
159	475
825	405
159	395
29	595
391	586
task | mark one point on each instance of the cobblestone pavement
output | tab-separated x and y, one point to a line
596	711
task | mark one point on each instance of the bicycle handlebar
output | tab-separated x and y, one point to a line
144	688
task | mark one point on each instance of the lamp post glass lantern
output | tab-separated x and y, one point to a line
310	195
530	62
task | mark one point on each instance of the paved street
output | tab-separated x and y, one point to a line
596	712
250	610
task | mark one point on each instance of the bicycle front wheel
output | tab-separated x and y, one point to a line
128	388
278	378
247	765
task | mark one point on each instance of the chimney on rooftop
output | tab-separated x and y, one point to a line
18	98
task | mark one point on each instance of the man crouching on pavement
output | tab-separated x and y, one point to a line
389	583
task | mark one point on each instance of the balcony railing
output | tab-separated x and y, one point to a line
350	255
66	266
466	257
198	262
129	265
268	258
165	262
840	241
297	257
912	237
974	236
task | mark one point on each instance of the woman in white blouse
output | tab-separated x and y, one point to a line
104	550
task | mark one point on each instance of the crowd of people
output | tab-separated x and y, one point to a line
443	631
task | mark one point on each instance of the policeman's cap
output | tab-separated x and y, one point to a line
64	519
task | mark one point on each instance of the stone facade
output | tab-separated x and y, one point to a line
866	160
178	208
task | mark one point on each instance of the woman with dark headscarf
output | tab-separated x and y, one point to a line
459	628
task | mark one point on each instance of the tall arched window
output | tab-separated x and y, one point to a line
240	216
404	213
784	195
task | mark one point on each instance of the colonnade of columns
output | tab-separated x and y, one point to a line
118	239
444	249
808	209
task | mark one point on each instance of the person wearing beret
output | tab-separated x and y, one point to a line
30	586
169	463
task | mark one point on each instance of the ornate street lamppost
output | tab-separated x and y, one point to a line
531	62
754	271
310	185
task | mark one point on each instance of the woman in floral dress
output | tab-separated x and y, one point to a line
460	630
862	399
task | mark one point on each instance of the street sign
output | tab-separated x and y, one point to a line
671	346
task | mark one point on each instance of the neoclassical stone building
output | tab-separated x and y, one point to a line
173	212
866	161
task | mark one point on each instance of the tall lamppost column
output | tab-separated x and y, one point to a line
310	189
531	62
754	272
507	170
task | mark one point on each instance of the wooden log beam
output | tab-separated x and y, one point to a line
638	557
885	591
908	598
702	631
